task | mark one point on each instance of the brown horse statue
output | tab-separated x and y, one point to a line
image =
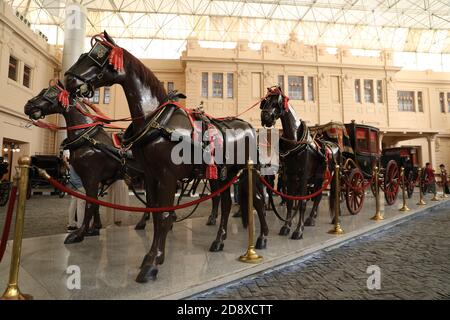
97	165
152	137
304	160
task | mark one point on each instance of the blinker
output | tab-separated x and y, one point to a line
99	53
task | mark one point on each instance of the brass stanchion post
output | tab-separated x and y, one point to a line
421	201
377	216
250	256
404	207
337	225
12	291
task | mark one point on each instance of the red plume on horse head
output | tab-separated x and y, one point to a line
116	53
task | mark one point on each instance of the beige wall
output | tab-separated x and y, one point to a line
334	76
18	40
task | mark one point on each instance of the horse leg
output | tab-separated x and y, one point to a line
215	205
162	222
90	209
258	203
94	229
311	220
298	233
225	206
143	222
285	229
97	221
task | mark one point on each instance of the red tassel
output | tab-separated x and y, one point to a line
63	98
116	58
211	172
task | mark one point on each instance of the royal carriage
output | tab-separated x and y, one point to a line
406	157
360	149
54	165
5	186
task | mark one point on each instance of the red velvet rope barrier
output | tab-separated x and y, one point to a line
8	220
63	188
307	197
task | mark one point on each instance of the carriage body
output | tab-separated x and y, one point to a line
364	141
406	157
54	166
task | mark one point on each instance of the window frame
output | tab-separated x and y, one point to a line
17	65
30	76
311	90
106	90
357	86
230	86
96	99
419	101
300	85
379	89
170	83
372	93
442	101
204	90
413	102
220	85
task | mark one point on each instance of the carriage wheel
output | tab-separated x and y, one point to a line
355	198
391	182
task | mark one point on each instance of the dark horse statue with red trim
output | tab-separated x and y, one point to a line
305	160
157	128
92	153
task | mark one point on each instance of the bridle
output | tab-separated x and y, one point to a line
102	53
282	99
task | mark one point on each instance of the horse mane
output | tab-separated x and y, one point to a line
147	77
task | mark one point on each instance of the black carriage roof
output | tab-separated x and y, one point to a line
360	125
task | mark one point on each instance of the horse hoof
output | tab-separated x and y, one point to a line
147	273
140	226
310	222
93	232
74	237
284	231
237	214
261	243
333	221
296	235
216	246
97	226
211	221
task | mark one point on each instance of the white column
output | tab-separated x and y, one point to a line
432	150
74	39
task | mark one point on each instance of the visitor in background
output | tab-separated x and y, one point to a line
76	206
118	193
444	179
429	179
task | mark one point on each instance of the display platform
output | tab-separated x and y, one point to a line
109	263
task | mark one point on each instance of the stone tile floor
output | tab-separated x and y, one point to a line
414	260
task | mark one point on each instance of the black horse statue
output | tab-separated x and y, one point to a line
97	165
304	160
151	135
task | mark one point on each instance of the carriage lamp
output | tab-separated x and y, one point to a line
5	149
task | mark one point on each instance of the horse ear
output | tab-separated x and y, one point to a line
108	38
52	82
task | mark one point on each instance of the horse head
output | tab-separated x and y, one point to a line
273	106
54	99
101	66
